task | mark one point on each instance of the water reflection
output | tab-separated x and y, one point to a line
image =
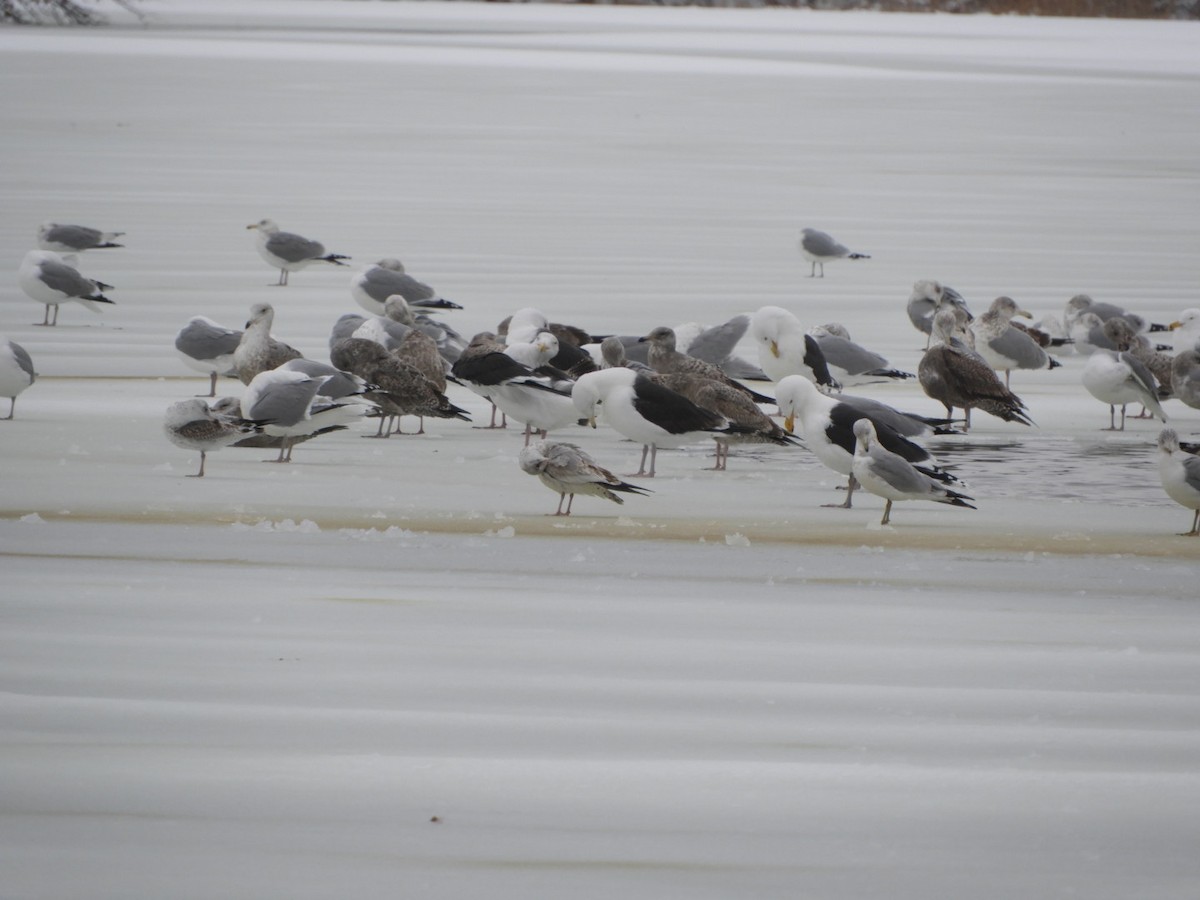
1120	469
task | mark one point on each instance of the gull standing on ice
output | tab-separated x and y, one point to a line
645	412
819	248
257	351
851	363
1004	346
285	404
48	278
568	470
955	375
1179	472
1082	303
1119	379
289	252
75	238
827	427
371	288
891	477
16	372
208	347
192	425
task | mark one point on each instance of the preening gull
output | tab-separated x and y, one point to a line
48	278
956	376
16	372
785	349
75	238
851	363
1179	472
398	388
819	248
524	326
285	403
257	351
540	401
1004	346
192	425
826	425
927	298
371	288
208	347
644	411
1118	379
289	252
755	426
663	358
568	470
892	477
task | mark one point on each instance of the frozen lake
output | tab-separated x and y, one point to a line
384	671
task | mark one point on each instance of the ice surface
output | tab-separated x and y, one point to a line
384	671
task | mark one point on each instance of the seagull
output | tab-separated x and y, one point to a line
192	425
927	298
75	238
1005	347
644	411
1120	378
208	347
666	360
16	372
1179	472
954	375
1186	329
1122	334
819	248
336	384
285	404
827	428
371	288
48	278
612	351
892	477
755	426
568	470
851	363
784	349
1185	376
1082	303
257	351
526	324
399	389
289	252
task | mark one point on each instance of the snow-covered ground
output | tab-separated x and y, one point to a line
383	671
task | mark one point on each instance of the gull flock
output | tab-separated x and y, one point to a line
665	388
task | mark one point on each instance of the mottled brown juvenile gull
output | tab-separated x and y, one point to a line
400	389
957	377
568	470
75	238
47	278
372	287
208	347
257	351
826	424
1185	376
666	360
289	252
1122	334
819	248
755	426
16	372
1118	379
890	476
1179	472
1005	347
192	425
